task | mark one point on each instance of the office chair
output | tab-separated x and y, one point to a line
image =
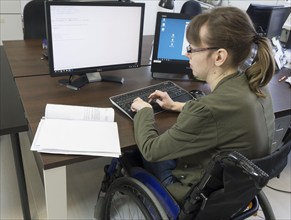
34	20
191	8
231	183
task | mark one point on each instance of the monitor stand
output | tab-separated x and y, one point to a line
81	81
174	76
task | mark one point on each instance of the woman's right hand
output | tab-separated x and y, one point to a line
164	100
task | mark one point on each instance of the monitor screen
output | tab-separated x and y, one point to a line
170	44
85	37
268	19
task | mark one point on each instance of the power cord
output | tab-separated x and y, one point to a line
279	190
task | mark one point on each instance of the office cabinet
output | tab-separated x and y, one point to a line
10	20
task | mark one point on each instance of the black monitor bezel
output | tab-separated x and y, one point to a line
172	66
262	23
275	31
82	71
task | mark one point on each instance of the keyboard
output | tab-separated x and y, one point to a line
123	101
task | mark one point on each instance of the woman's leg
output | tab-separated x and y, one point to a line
162	170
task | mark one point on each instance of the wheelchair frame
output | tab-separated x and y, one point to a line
154	201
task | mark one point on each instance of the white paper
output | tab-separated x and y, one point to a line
79	112
82	136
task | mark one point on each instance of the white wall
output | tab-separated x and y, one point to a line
152	8
10	20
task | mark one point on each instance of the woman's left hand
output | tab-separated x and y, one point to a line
139	104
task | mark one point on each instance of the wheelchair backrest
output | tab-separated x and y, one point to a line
274	163
230	183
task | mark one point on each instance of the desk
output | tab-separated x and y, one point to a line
37	91
12	121
37	88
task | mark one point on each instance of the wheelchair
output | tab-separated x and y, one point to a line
231	188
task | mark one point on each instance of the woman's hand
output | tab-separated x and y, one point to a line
165	101
139	104
161	98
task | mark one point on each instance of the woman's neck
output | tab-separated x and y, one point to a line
217	76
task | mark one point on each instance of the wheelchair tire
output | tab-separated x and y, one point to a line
128	198
266	206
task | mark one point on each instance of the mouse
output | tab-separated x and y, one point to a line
196	93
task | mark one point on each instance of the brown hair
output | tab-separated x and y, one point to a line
232	29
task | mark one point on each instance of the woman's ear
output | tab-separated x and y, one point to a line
221	56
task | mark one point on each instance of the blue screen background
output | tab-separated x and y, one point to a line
171	39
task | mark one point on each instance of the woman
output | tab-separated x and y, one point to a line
236	115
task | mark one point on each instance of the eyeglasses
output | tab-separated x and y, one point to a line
194	50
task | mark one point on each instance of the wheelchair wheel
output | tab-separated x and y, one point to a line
266	206
127	198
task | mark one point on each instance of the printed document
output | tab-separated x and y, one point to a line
79	130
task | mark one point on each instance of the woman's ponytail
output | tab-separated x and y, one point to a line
261	71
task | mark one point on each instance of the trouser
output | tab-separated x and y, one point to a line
162	170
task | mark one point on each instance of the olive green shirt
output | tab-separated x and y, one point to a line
230	118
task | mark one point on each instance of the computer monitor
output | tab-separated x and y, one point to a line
92	37
277	20
268	19
169	49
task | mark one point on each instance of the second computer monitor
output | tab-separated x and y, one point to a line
268	19
170	44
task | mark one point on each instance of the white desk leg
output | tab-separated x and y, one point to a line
56	192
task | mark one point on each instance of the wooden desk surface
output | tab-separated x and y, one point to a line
37	91
25	56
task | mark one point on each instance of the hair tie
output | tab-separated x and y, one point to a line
256	38
250	59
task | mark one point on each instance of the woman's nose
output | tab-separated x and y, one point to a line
187	55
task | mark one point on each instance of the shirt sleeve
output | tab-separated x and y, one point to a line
194	131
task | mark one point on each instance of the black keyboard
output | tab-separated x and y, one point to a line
124	101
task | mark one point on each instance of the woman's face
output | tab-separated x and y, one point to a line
201	57
200	61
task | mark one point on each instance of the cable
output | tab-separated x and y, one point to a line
279	190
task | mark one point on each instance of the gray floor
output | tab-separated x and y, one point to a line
83	185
